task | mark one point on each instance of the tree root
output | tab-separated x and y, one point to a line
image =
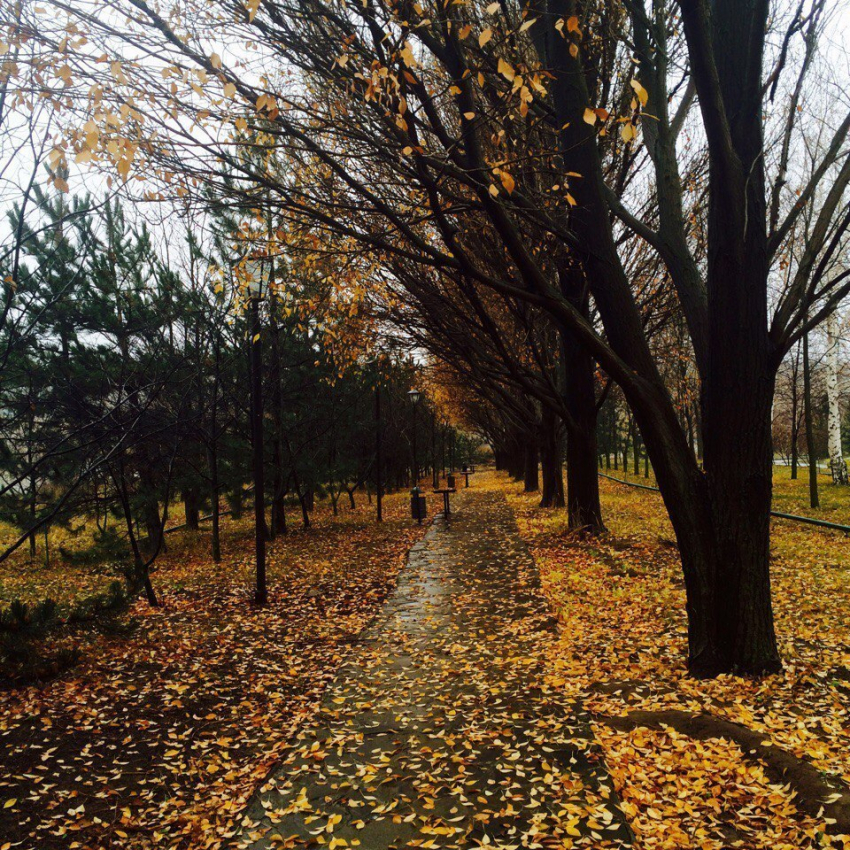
817	794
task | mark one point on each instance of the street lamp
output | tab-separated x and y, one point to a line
379	483
414	396
258	272
435	473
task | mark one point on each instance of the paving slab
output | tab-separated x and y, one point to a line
441	730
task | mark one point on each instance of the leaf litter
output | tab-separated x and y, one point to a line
163	731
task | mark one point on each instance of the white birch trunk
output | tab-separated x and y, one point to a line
836	457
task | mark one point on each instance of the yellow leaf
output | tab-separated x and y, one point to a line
493	190
229	90
485	36
506	70
640	91
627	131
527	24
215	60
469	115
507	181
253	7
9	803
492	8
589	116
407	55
572	24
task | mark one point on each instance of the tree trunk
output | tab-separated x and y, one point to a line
305	511
531	479
837	466
257	463
583	506
141	573
499	459
698	430
192	508
739	478
550	461
278	494
636	447
615	449
516	459
215	490
153	526
814	498
721	516
33	496
236	502
795	423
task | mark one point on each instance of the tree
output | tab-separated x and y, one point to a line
837	465
472	118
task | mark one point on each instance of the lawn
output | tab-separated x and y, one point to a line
789	496
172	717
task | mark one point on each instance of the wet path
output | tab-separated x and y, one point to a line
441	731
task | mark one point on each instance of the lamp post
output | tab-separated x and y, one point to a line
379	484
258	275
435	473
414	396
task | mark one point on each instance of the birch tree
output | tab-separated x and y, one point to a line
833	349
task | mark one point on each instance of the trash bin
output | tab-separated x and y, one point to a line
418	507
450	481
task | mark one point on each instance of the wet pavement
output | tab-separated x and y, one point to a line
441	730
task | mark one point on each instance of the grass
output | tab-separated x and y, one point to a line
790	496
